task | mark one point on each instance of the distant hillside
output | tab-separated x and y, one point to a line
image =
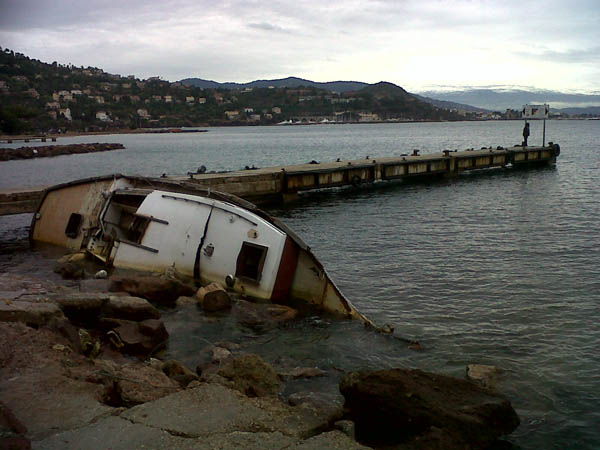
590	111
451	105
501	99
289	82
37	97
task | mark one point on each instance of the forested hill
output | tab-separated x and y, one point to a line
38	97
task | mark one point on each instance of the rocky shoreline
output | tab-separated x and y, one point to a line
43	151
80	368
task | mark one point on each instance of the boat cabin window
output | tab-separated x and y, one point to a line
250	261
121	220
72	229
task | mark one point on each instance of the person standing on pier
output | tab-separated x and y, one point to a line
525	134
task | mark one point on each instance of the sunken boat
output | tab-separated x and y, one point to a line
154	224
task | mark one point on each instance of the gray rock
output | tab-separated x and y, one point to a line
486	376
212	410
261	315
157	289
29	313
129	308
251	375
114	433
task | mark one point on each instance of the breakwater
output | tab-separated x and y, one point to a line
43	151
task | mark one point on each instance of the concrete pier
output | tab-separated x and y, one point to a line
283	183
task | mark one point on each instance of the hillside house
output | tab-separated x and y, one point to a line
368	117
134	98
248	110
232	114
201	100
52	105
101	115
143	113
168	99
66	113
32	93
157	98
99	99
276	110
76	92
254	117
3	86
189	99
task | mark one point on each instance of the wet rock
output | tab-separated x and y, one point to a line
138	338
178	372
213	298
249	374
185	301
325	405
129	308
219	354
486	376
262	316
157	289
30	313
70	271
82	307
396	406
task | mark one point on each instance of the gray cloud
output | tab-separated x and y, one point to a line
403	41
268	27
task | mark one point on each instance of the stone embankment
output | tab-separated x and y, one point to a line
42	151
79	369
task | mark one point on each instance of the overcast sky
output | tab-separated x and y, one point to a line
415	44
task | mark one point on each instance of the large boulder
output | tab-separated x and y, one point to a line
249	374
158	289
82	307
136	338
131	384
262	315
129	308
396	406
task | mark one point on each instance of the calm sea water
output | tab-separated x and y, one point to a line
498	268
